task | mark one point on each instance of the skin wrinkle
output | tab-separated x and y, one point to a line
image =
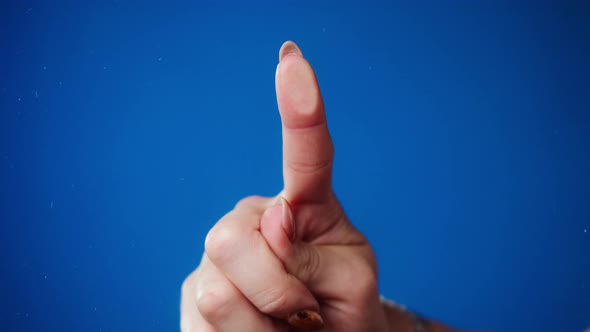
339	231
309	265
268	300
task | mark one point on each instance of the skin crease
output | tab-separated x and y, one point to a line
270	258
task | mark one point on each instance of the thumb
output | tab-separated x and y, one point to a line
342	277
279	231
319	267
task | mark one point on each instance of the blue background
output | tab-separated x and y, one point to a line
462	151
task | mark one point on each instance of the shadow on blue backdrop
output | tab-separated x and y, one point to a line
462	151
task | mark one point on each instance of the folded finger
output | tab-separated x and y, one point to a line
224	307
237	248
190	318
343	275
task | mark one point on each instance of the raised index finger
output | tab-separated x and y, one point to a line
307	147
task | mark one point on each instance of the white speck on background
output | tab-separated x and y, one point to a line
51	205
44	67
585	230
19	98
160	59
105	67
36	94
60	83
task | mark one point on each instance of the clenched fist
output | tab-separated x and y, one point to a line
291	262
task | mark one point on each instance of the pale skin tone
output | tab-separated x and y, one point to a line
271	258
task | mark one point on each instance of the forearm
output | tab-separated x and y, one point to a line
402	320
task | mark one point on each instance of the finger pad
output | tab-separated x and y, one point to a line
275	236
298	93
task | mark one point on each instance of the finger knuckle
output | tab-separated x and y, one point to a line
188	284
219	243
248	202
214	303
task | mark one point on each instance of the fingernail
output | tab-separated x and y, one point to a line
289	47
306	320
287	219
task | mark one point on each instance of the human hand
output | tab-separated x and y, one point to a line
293	260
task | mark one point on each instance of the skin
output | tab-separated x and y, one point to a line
271	258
